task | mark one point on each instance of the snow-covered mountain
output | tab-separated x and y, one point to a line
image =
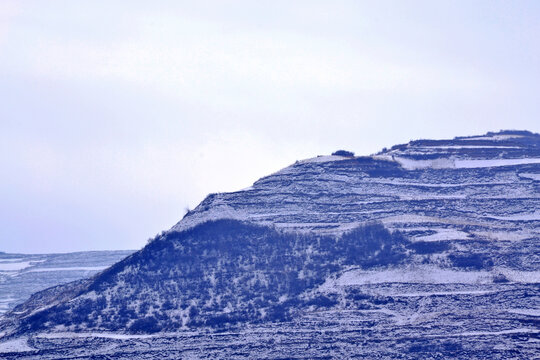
428	249
430	182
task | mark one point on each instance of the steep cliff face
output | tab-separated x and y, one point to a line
425	239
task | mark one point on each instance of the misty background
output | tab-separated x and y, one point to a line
115	116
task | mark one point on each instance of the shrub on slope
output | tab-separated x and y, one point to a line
218	274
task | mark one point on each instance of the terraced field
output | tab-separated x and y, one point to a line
426	250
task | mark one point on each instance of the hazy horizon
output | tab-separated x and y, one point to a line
116	119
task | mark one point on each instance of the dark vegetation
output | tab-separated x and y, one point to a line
471	261
219	274
343	153
429	247
222	273
378	168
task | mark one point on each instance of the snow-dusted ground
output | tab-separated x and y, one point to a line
444	234
475	196
22	275
481	163
104	335
417	325
428	275
496	333
324	158
530	312
519	217
74	268
532	176
497	137
14	265
449	163
447	181
435	147
16	345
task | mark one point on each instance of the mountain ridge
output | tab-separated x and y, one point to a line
392	163
424	241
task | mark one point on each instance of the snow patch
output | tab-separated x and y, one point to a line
411	164
518	217
504	235
324	158
531	176
445	293
529	312
15	266
15	345
61	335
468	147
467	164
449	163
420	219
77	268
432	185
493	137
428	275
444	234
495	333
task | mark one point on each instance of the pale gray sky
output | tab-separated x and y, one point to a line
116	115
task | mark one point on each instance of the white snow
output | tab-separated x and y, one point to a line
431	197
494	333
444	234
493	137
433	185
218	210
411	164
428	275
505	235
119	336
530	312
419	219
450	163
15	266
530	176
463	164
15	345
4	303
521	276
324	158
518	217
445	293
468	147
76	268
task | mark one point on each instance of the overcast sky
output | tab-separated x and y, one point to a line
117	115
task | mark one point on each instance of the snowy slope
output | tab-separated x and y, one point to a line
426	250
475	185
